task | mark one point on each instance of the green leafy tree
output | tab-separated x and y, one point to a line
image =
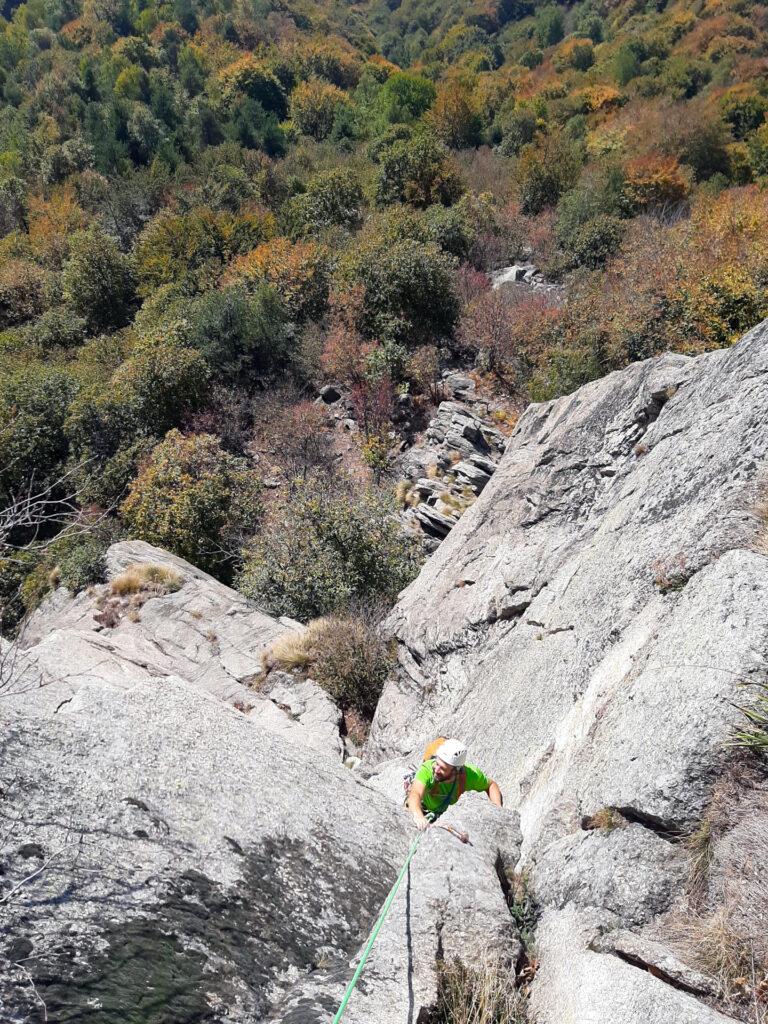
332	199
195	499
110	428
418	171
190	249
404	97
238	333
626	64
34	401
744	112
514	128
326	550
550	25
99	281
315	106
546	172
758	150
408	290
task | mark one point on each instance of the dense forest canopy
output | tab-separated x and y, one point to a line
207	208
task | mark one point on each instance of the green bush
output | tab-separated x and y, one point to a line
111	427
240	334
417	171
98	281
34	402
194	499
596	241
754	734
565	370
409	290
324	550
546	172
344	654
404	97
13	573
515	128
550	25
332	199
83	565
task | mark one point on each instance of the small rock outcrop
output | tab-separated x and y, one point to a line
444	475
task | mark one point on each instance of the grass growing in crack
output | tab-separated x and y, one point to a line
754	735
700	845
732	959
523	910
607	819
479	995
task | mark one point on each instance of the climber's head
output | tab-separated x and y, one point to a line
449	757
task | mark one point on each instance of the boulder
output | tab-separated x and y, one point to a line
330	394
204	632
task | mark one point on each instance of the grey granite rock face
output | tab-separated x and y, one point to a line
451	906
168	856
204	632
584	629
576	983
176	856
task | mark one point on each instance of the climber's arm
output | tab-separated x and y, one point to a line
494	794
413	803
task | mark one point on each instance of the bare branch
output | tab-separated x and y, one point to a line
12	892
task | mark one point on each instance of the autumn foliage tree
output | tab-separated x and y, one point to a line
315	106
298	272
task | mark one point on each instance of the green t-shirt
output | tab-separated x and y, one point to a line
437	793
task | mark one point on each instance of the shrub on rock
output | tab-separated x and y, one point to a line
324	550
195	499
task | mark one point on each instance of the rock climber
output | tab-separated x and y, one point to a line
442	778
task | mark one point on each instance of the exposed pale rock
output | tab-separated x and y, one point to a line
575	983
585	628
189	856
451	906
205	632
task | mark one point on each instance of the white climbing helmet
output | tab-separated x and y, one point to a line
453	752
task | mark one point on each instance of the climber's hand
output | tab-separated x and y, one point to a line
421	823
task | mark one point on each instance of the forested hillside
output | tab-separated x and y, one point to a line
209	209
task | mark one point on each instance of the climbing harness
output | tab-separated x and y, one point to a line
464	837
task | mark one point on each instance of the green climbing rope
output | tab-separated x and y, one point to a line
377	928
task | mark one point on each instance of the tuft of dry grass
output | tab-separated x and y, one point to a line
607	818
701	848
343	653
146	576
486	994
433	471
292	651
715	946
402	491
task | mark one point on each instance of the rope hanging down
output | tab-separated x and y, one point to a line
377	928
